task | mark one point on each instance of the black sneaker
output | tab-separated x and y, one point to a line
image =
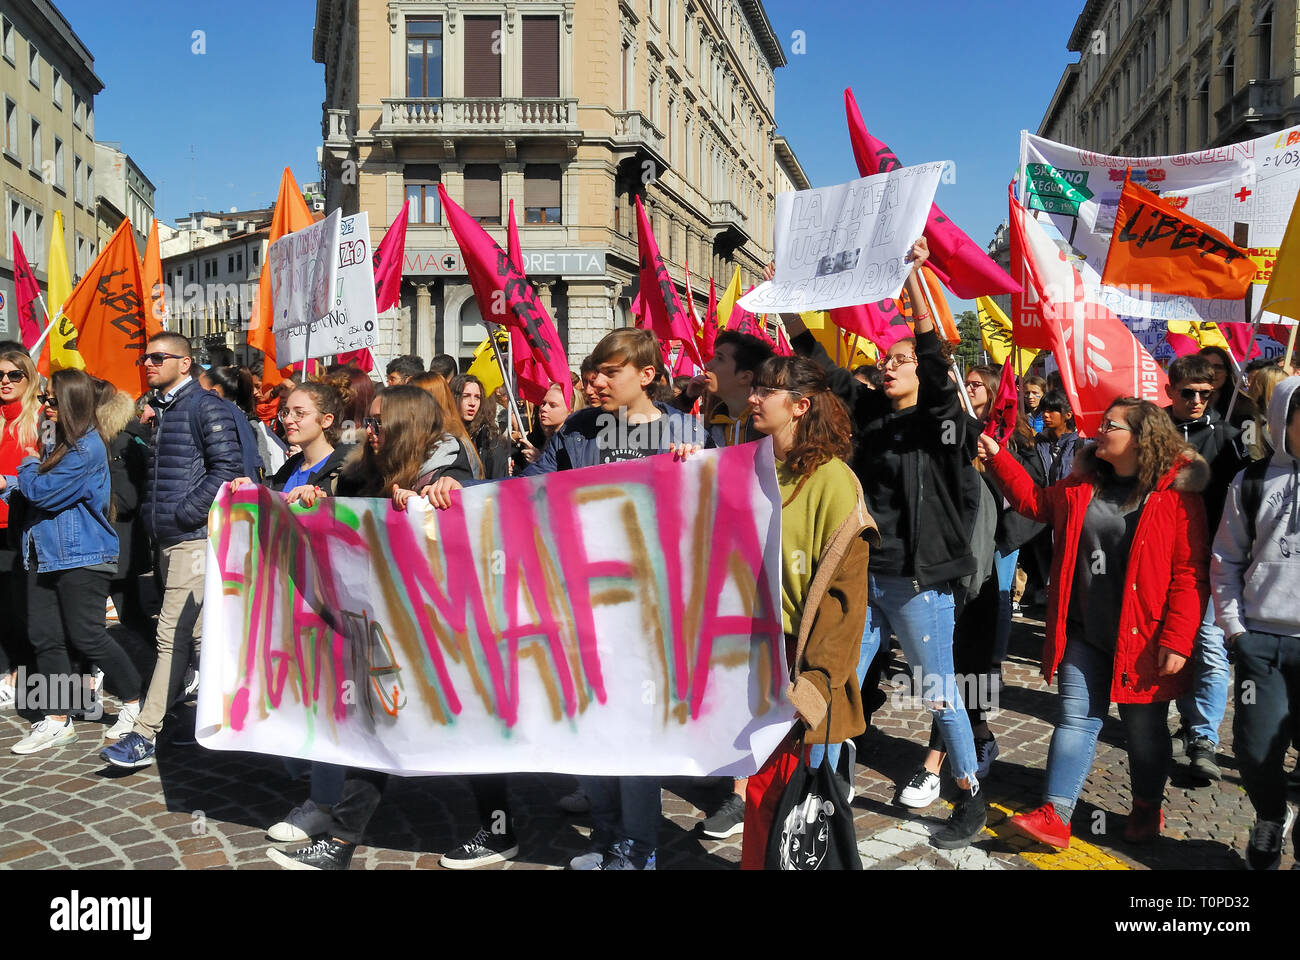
969	815
728	820
482	849
321	855
1180	742
1201	757
1264	849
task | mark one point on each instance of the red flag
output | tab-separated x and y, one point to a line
882	323
1182	344
1098	356
1002	416
388	260
290	214
709	333
25	293
782	344
1155	245
505	296
659	296
1243	347
362	359
959	261
525	364
107	307
742	321
1028	325
155	315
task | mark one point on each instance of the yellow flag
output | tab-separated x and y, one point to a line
62	343
727	302
485	366
1282	295
995	335
844	348
1206	333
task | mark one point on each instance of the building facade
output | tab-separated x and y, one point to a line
1161	77
570	109
123	191
48	87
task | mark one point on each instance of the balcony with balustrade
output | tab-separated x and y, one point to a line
510	117
1254	110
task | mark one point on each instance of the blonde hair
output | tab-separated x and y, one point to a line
1262	383
30	411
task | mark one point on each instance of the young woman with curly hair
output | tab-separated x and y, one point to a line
825	529
1128	591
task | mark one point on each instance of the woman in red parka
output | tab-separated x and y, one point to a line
1128	591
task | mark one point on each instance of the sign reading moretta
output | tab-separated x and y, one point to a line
448	262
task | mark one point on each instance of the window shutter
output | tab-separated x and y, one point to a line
482	65
542	185
483	192
541	56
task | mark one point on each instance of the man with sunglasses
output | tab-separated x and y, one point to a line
195	450
1191	392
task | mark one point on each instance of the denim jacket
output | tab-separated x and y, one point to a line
67	515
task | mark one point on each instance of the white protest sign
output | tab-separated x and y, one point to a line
302	266
844	245
352	323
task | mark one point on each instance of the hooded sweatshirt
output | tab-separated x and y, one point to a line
1257	585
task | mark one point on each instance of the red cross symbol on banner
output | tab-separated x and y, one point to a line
1242	194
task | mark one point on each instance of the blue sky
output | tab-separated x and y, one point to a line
936	80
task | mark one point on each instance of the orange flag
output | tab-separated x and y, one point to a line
290	214
1156	245
155	314
108	309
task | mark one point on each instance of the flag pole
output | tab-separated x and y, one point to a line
35	348
505	376
1240	378
952	361
1290	345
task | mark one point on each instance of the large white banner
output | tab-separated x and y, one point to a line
844	245
351	323
1252	184
623	619
302	266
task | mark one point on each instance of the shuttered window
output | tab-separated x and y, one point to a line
483	193
482	56
542	193
541	56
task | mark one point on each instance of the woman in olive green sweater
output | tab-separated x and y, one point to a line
825	529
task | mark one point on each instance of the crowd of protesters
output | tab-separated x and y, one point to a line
1162	549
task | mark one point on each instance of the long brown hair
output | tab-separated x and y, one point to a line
412	425
823	433
30	415
75	393
435	384
1159	447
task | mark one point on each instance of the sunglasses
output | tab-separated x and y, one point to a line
373	423
1189	394
13	376
1109	426
48	400
156	359
764	392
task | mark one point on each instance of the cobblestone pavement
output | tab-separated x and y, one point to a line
197	808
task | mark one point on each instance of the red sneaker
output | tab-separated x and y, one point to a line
1144	822
1044	826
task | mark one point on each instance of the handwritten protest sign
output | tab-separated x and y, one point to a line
844	245
351	323
541	624
302	267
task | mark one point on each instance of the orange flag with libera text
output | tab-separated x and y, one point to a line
155	313
108	309
1158	246
290	214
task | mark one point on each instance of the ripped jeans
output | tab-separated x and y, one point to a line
923	620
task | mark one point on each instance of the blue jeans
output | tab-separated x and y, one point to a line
1202	708
1084	682
624	808
1004	568
820	751
923	621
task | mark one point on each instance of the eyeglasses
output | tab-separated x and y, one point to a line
156	359
1189	394
294	416
894	360
976	385
764	392
13	376
1108	426
49	400
373	423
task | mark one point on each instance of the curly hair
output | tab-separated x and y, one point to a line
1159	447
331	393
824	432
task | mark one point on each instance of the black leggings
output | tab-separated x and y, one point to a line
15	648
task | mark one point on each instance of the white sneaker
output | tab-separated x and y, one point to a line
921	791
7	693
46	735
126	718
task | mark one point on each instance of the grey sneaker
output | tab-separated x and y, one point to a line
1201	759
728	820
596	855
303	822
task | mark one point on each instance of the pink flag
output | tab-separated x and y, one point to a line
782	344
1098	356
1002	416
683	367
1182	344
709	333
1239	340
882	323
388	259
505	296
362	359
658	295
525	364
25	292
956	259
